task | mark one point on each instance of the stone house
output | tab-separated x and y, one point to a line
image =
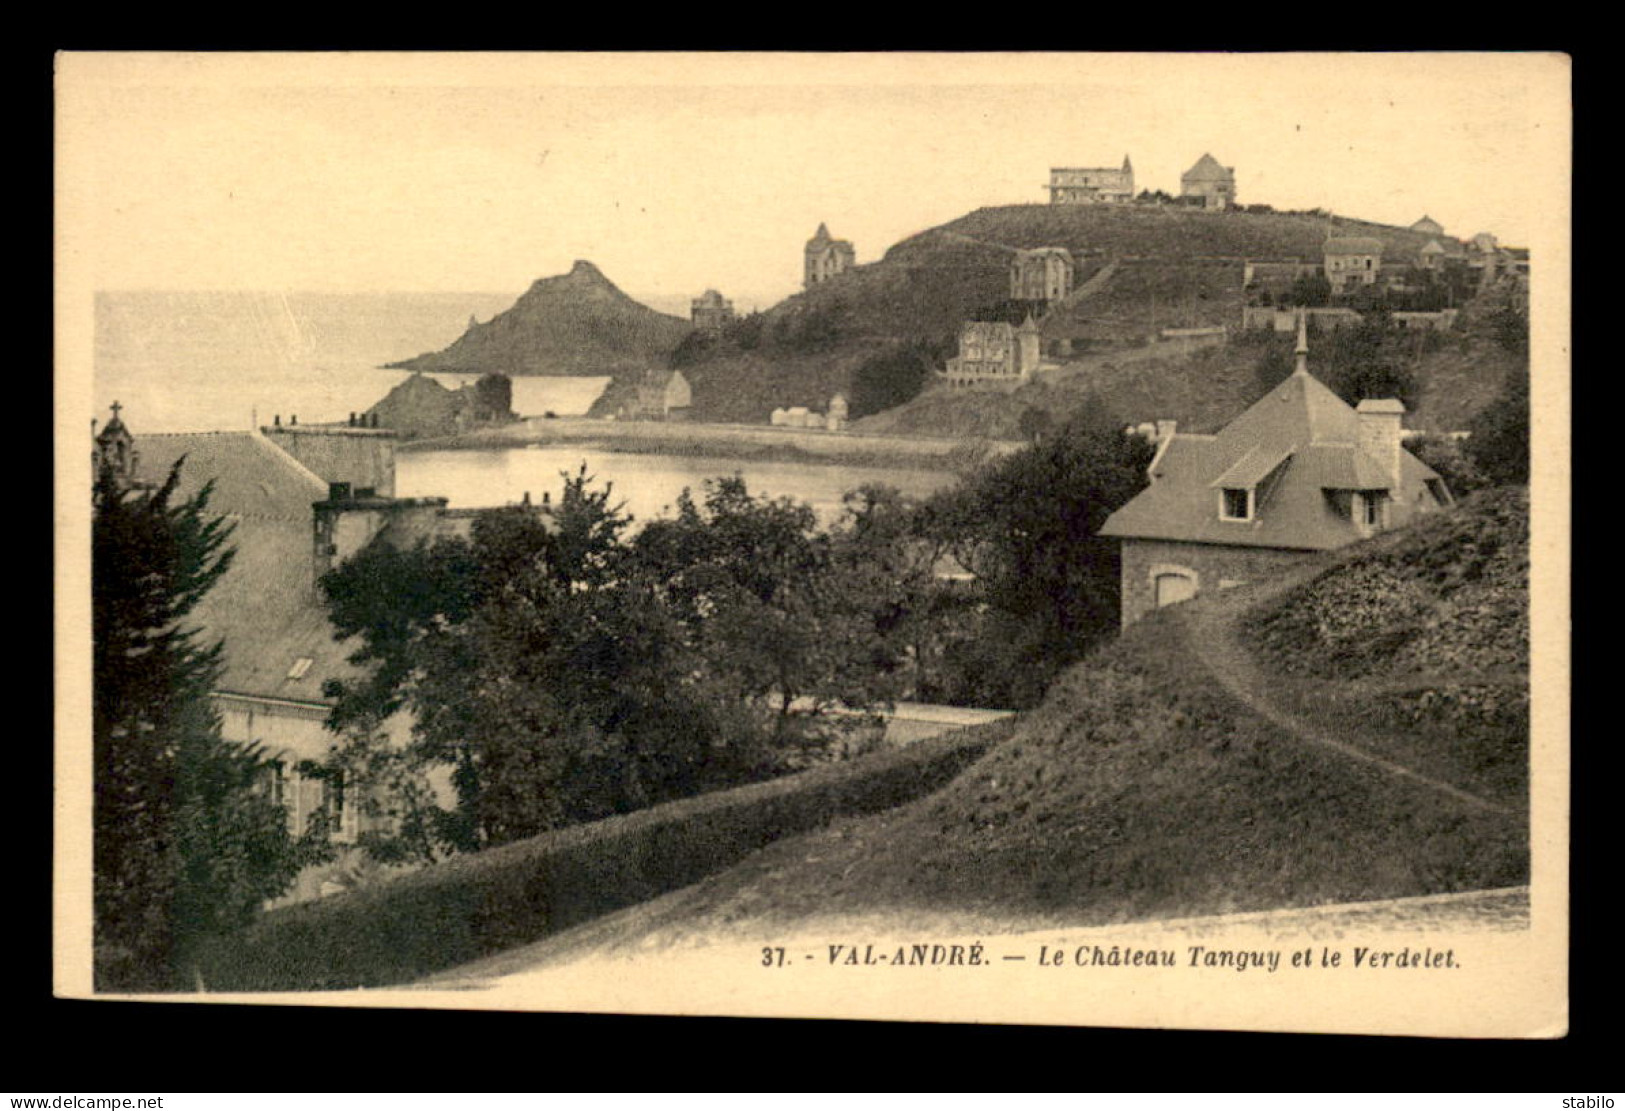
1431	256
994	354
1214	184
1092	185
825	257
1042	274
1352	261
1299	472
711	312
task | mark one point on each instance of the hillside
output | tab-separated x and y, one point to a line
1171	267
578	323
1179	771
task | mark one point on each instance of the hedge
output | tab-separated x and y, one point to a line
482	903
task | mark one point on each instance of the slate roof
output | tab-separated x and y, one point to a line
1353	245
1207	168
1293	446
264	608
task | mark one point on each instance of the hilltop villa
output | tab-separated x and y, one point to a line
1213	183
825	257
1092	185
1299	472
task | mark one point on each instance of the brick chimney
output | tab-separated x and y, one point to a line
1380	434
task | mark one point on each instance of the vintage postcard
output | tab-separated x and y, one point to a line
1030	538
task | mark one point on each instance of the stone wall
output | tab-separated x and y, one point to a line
1212	566
365	458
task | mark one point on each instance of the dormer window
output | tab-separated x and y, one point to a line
1235	504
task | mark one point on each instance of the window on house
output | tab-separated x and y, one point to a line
338	806
1236	504
1371	509
274	782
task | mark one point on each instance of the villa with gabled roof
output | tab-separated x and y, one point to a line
1299	472
1215	184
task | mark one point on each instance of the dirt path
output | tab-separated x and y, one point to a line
1211	628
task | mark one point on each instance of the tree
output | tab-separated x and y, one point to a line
1028	528
1446	455
890	378
782	616
185	846
1499	444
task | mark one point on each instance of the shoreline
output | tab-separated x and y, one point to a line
728	441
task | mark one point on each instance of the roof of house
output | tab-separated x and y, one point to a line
1294	444
264	608
1431	247
822	238
1207	168
1353	245
1428	224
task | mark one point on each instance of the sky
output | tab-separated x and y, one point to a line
677	173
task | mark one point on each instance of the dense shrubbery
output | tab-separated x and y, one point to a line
575	671
895	376
1450	593
566	673
1499	444
1028	528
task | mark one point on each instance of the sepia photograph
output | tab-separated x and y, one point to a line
1030	538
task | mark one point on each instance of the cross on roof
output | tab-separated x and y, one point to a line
115	407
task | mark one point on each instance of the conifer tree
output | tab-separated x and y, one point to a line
184	844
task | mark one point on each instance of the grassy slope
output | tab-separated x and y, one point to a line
1171	233
1141	788
1436	621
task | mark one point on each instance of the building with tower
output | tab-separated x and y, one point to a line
994	354
1092	185
826	256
